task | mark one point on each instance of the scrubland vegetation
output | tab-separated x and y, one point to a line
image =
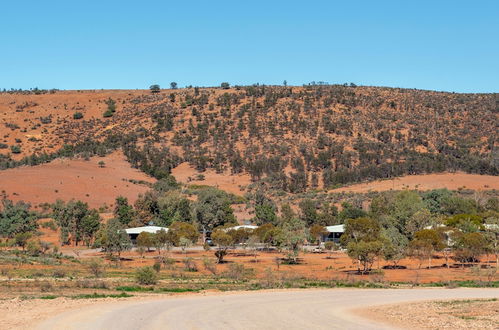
295	143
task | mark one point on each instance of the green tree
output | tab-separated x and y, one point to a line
184	230
145	240
468	223
21	239
147	208
173	85
418	221
70	218
224	242
122	210
327	215
161	239
241	235
362	238
90	225
350	211
308	211
17	218
213	209
469	247
265	213
394	245
291	237
425	243
114	239
173	207
155	88
317	231
492	236
365	252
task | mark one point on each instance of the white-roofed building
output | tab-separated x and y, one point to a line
243	227
333	233
134	232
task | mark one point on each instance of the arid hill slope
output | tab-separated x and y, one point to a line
291	137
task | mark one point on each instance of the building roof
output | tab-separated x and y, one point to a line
242	226
147	229
336	229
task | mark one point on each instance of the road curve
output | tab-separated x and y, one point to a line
307	309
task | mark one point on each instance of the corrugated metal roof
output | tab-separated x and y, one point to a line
336	229
147	229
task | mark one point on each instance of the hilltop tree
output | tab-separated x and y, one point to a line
155	88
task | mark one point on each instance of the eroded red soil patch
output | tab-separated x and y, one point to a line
79	179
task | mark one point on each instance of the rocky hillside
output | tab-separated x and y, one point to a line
289	138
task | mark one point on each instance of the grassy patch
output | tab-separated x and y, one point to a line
151	289
99	295
464	284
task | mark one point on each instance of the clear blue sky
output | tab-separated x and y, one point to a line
440	45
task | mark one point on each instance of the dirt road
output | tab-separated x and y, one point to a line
310	309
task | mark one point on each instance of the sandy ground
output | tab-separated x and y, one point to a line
231	183
25	314
74	178
451	314
452	181
307	309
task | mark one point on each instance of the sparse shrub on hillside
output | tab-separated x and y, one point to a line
15	149
77	115
111	108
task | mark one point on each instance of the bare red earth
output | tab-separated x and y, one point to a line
75	178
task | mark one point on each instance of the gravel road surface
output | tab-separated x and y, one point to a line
307	309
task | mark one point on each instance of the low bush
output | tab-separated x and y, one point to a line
77	115
146	276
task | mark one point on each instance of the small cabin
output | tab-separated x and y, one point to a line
333	233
